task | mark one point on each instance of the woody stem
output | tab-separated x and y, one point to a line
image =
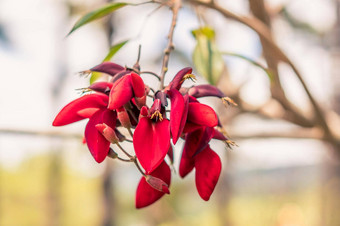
137	165
175	6
123	150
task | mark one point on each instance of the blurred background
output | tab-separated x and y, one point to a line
285	170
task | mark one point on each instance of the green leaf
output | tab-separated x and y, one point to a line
267	70
206	57
96	14
95	76
113	50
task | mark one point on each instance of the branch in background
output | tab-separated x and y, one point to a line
175	5
45	133
262	30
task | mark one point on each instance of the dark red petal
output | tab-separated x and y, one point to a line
108	68
138	85
102	87
121	93
186	164
177	80
198	140
208	169
171	154
74	111
146	195
178	113
151	141
205	91
190	127
202	114
96	142
219	136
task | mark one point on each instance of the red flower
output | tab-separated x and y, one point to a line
147	194
94	107
124	89
151	139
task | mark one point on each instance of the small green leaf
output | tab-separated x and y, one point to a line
206	57
95	76
113	50
96	14
267	70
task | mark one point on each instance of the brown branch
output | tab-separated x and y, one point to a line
175	5
262	30
313	133
41	133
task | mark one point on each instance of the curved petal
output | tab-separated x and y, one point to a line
102	87
137	85
176	82
108	68
146	195
76	110
186	165
205	91
178	113
151	141
96	142
121	93
202	114
208	169
198	140
219	136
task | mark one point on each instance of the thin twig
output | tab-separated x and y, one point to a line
262	30
175	5
151	73
123	150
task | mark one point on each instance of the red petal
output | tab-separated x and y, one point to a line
138	85
205	91
202	114
151	141
190	127
208	169
74	111
198	140
186	165
146	195
103	87
178	113
176	82
108	68
121	93
171	154
96	142
219	136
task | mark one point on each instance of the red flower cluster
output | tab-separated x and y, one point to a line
122	103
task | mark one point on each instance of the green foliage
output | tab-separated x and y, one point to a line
206	57
96	14
113	50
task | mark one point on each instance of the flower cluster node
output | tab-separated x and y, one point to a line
121	103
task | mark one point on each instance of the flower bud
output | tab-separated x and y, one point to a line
157	184
112	154
107	132
123	117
